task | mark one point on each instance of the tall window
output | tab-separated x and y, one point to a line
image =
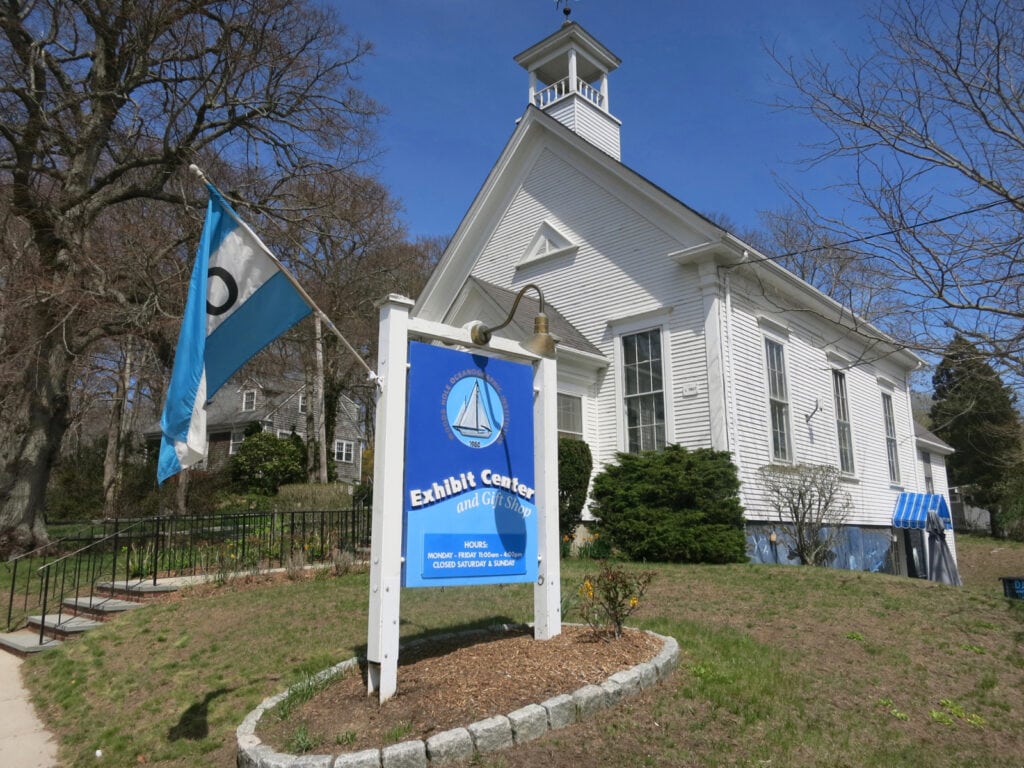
570	416
929	481
890	438
303	404
778	400
249	400
644	394
843	431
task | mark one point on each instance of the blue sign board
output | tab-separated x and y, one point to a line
469	510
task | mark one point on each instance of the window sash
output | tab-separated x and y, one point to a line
645	416
643	382
570	416
891	446
844	429
778	400
929	481
344	451
249	400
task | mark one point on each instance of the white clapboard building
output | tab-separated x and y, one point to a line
672	329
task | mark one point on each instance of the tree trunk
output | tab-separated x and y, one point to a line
30	446
112	459
318	405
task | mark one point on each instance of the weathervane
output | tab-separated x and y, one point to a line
566	10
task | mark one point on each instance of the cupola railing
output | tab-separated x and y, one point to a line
560	89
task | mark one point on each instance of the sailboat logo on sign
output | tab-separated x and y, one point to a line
475	412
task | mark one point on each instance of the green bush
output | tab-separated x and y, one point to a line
264	462
673	505
574	466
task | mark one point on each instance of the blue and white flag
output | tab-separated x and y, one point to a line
239	301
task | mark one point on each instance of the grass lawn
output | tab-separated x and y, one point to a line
780	666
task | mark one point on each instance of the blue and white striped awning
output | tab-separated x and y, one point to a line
912	510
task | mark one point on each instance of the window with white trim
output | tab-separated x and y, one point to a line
891	446
844	430
570	416
249	400
643	391
237	436
303	404
344	451
929	481
778	400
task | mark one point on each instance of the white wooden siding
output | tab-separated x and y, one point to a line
598	127
621	278
619	271
809	373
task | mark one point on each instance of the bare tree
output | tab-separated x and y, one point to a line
932	116
102	105
812	506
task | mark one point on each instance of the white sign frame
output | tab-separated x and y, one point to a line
395	330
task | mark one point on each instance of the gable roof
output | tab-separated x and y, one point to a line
537	130
224	410
564	332
926	439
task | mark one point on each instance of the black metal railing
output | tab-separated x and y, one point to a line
132	552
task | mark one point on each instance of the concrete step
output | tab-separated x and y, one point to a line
63	625
135	590
25	642
100	607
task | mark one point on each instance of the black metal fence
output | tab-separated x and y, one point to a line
131	552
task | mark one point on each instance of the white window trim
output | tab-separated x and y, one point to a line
928	470
849	420
630	329
892	460
245	400
790	443
233	444
338	449
583	413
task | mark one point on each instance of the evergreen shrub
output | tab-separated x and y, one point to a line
265	462
673	505
574	466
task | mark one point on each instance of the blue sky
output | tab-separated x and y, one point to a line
694	94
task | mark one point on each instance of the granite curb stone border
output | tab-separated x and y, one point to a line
495	733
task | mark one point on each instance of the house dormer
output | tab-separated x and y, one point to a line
569	80
248	399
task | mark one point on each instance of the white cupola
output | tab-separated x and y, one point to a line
569	80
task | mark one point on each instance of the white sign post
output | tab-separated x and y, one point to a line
389	471
547	593
386	530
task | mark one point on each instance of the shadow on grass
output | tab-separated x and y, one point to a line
193	724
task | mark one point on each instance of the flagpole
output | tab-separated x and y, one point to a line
370	373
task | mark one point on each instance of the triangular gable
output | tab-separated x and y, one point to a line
535	132
697	235
548	243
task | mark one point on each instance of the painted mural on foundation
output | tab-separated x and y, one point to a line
857	548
